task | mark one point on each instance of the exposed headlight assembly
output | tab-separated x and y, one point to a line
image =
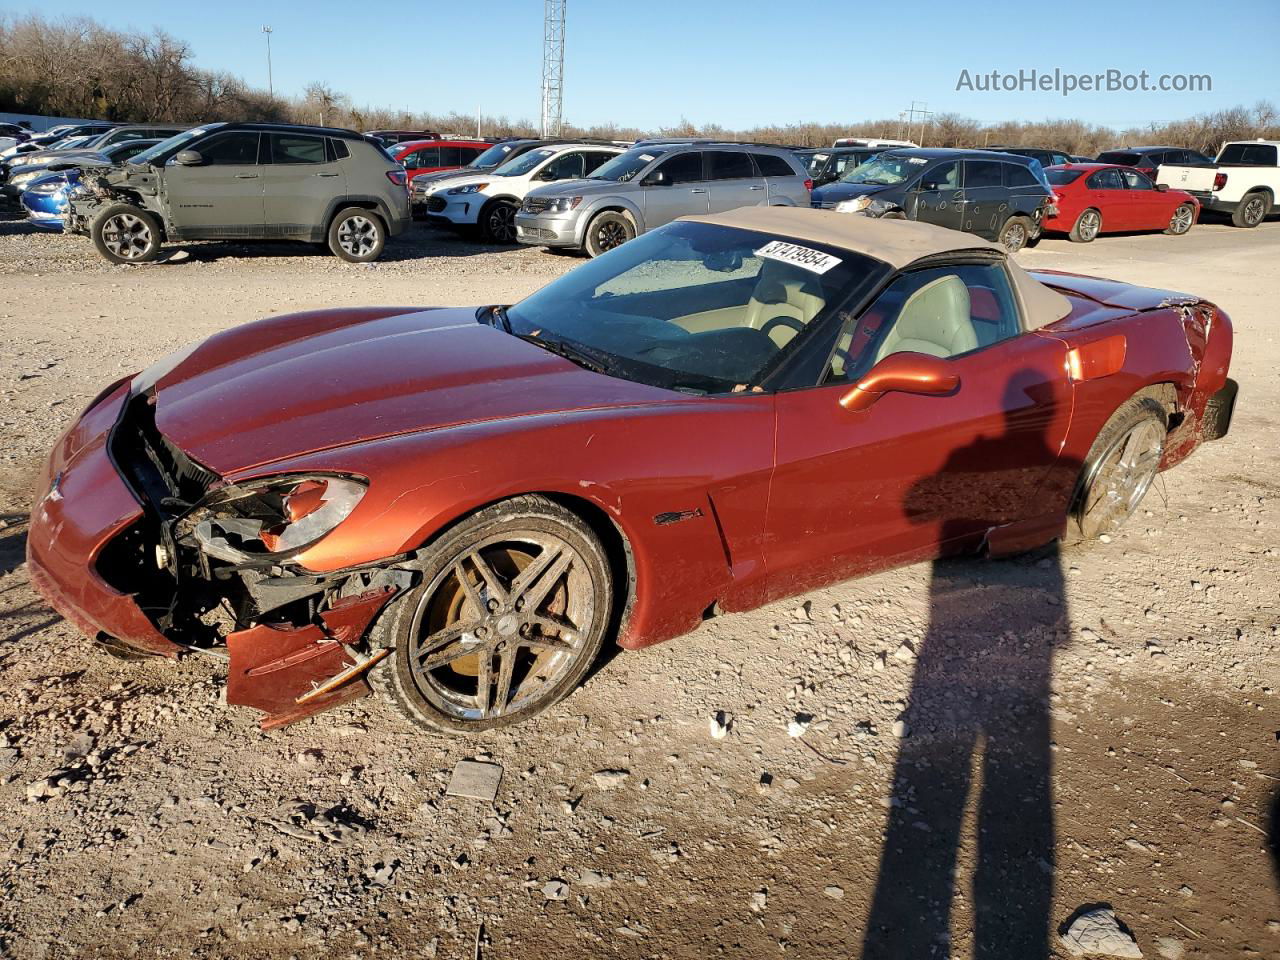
469	188
272	518
856	205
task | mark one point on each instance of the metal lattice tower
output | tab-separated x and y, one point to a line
552	67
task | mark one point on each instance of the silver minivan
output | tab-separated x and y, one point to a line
654	183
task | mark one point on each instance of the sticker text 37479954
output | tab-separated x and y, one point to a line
806	257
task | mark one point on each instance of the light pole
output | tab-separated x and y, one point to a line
271	92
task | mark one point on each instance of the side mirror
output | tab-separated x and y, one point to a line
188	158
907	372
656	179
1162	187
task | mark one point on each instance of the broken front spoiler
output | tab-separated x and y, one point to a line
290	673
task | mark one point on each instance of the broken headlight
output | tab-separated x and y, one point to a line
273	518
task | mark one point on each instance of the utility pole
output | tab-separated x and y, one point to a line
271	90
552	67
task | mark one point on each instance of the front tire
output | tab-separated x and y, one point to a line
1015	233
1181	221
511	612
1251	211
1087	227
1119	469
608	231
357	235
124	233
498	222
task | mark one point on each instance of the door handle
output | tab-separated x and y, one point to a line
324	174
246	176
756	187
697	190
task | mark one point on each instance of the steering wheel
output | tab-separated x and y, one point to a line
783	320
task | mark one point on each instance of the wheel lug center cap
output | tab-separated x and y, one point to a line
507	625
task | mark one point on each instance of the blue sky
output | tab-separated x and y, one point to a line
740	64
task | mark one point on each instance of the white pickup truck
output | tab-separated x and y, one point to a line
1244	181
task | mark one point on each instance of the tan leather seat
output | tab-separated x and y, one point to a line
934	320
783	291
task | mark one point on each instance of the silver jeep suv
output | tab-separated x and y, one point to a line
245	181
654	183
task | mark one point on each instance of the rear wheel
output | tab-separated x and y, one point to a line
511	613
357	235
608	230
1251	211
1015	233
1119	469
1087	227
1181	220
124	233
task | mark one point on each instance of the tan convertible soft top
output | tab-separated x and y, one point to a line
898	243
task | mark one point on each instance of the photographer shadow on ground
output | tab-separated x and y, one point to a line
977	723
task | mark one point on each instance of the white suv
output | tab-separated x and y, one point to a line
489	201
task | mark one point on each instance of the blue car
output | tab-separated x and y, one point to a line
45	199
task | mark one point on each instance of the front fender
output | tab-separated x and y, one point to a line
706	463
601	204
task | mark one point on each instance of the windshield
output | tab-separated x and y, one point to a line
690	306
626	165
885	170
1060	177
177	140
494	155
517	166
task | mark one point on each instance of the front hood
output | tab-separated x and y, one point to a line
463	181
834	192
427	179
585	187
1111	293
296	384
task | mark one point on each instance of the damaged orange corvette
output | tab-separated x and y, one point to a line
723	412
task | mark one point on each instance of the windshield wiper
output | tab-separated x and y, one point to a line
583	356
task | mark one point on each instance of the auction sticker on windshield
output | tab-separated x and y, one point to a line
813	260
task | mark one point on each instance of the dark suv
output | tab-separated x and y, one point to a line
244	181
1147	160
998	196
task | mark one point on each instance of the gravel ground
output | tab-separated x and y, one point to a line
1086	726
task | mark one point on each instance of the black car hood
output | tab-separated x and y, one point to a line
834	192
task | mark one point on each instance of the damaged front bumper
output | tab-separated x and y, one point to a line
127	541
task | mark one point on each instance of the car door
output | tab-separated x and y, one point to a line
1147	207
915	476
733	181
985	196
422	160
937	197
1104	191
682	190
304	179
222	196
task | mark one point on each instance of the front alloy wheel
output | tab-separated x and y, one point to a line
500	223
511	614
1120	468
1181	220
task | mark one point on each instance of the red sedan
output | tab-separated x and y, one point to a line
427	156
1094	198
725	411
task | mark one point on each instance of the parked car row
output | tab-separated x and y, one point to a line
131	188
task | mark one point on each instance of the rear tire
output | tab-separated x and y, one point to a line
1181	221
608	231
1087	226
1119	469
1015	233
480	643
357	235
124	233
1252	210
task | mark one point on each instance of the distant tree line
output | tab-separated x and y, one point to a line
77	67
